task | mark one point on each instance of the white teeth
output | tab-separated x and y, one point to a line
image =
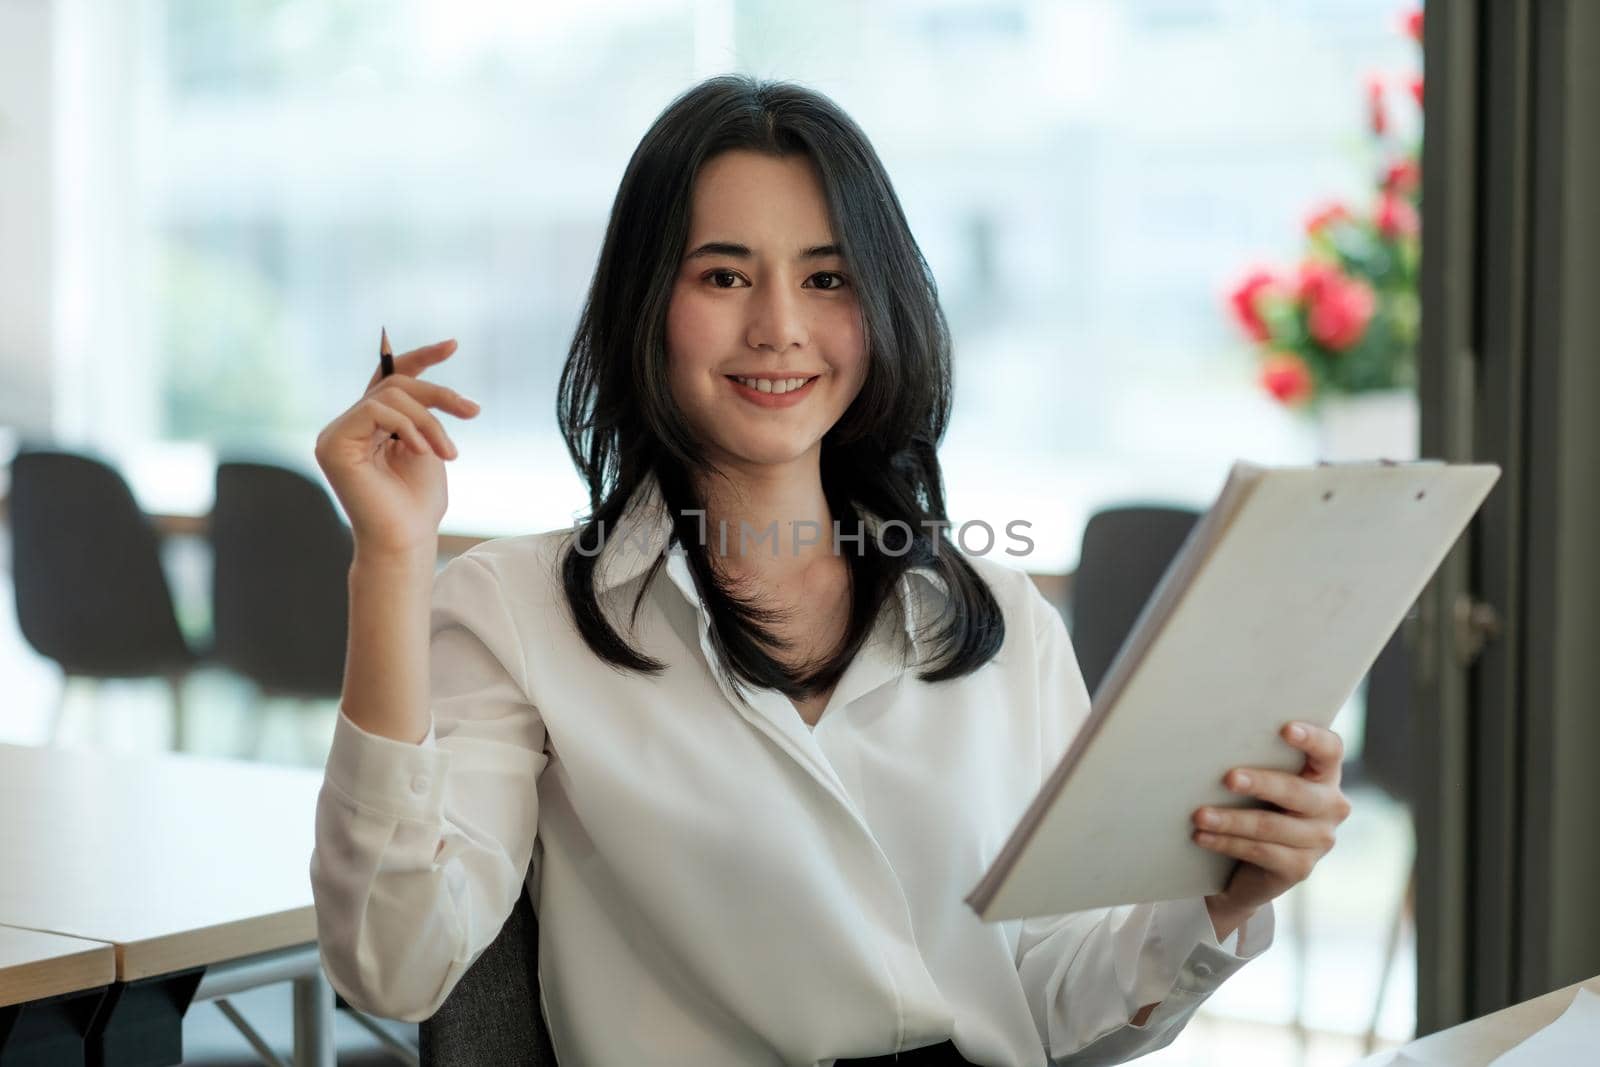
768	385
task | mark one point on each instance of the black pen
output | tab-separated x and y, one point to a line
386	363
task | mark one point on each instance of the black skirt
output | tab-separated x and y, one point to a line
943	1054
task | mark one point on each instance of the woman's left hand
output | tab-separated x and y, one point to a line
1281	844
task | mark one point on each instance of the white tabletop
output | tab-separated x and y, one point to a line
177	860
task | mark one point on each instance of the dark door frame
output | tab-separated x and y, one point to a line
1508	665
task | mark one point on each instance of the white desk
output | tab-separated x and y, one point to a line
1477	1042
194	870
35	965
50	987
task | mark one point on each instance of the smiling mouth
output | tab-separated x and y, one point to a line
773	386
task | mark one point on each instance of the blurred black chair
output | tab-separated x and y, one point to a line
493	1015
90	590
1125	553
1386	759
281	558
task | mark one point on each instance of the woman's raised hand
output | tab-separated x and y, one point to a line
394	490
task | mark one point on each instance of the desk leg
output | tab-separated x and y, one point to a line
53	1030
313	1021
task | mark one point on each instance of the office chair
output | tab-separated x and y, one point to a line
1125	552
281	561
90	590
493	1015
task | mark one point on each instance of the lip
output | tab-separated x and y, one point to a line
772	400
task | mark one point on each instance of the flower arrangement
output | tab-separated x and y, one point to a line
1345	321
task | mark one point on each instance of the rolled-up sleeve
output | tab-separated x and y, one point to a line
421	850
1087	974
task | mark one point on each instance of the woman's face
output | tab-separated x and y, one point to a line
761	294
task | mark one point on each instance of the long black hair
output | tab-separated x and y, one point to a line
621	424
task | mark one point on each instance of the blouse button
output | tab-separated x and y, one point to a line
419	784
1204	970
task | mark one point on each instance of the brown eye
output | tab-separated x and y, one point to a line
838	283
722	274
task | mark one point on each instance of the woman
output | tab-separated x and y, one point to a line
750	733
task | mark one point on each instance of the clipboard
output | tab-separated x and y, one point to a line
1274	609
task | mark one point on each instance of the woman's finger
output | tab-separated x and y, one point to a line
431	394
1289	791
402	401
1324	749
1270	826
392	420
414	362
1290	864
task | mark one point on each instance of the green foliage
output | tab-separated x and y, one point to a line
225	377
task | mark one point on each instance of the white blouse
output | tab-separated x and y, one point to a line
720	884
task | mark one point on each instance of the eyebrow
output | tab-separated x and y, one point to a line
739	251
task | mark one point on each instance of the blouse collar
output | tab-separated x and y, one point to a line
645	529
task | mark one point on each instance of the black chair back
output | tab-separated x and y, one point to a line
1387	751
1125	552
281	562
86	567
493	1014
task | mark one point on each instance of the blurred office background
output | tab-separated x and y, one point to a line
209	209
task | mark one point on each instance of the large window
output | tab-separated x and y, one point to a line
1087	180
250	190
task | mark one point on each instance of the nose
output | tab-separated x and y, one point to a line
777	319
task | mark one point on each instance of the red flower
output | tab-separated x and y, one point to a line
1326	215
1396	217
1315	277
1243	302
1416	90
1287	378
1413	25
1377	112
1401	178
1338	307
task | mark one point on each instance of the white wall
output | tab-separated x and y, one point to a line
71	247
27	212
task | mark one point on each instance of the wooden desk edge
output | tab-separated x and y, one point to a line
223	943
92	964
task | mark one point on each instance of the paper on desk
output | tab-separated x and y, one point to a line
1571	1039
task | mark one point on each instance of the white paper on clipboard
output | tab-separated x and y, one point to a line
1275	607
